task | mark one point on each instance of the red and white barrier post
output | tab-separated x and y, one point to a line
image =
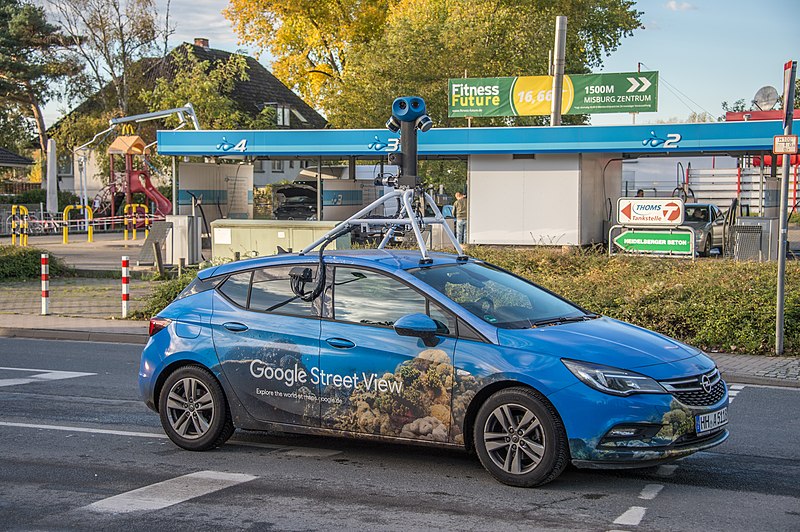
126	280
45	284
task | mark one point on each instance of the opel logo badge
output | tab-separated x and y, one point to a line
705	381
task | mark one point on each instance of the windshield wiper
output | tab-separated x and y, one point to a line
563	319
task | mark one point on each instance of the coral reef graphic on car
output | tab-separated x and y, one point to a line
421	399
677	426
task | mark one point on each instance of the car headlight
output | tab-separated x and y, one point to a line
610	380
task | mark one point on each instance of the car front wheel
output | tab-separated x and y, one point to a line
520	439
193	410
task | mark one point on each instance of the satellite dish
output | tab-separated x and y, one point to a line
766	98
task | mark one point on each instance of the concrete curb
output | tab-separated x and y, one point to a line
81	336
739	378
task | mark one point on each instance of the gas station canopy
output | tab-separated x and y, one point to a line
638	140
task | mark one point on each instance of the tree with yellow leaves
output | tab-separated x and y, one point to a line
351	58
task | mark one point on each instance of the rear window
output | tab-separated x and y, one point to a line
237	288
197	286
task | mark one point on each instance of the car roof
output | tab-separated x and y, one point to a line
389	259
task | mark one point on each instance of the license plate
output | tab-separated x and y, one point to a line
706	422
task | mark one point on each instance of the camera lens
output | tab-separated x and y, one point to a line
402	104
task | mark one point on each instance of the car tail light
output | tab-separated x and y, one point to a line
156	324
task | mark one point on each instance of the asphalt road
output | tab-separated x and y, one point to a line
75	443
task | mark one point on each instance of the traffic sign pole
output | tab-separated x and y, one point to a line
790	71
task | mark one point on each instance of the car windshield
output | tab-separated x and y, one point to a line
499	298
696	214
298	199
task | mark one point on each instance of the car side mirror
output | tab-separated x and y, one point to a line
418	325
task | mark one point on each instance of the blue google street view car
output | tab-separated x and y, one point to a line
449	351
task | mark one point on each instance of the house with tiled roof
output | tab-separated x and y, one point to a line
261	90
9	159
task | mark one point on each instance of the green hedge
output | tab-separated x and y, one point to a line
717	305
25	263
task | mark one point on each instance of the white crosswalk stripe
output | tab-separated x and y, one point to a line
170	492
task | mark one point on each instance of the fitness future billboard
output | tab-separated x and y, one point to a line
627	92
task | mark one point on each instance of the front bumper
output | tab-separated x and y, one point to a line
669	427
646	457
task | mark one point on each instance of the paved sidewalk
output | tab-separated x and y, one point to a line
67	328
83	297
748	369
745	369
104	254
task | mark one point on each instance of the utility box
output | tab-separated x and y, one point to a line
184	239
542	199
262	237
755	238
772	197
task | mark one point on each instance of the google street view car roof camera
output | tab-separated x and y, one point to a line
408	116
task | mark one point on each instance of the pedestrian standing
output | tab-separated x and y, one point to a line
460	212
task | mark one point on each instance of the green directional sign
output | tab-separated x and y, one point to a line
631	92
532	95
677	243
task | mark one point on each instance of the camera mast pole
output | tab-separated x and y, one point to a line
408	116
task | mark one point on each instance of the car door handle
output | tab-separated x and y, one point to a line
234	326
340	343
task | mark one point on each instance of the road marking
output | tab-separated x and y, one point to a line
666	470
42	375
170	492
632	516
84	429
733	391
650	491
301	452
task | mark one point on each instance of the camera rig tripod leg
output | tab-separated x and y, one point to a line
406	217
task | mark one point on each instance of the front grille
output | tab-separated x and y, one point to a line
690	391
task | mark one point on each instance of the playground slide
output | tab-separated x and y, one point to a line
141	183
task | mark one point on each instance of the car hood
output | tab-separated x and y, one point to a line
612	343
697	225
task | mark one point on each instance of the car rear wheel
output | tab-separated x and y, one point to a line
520	439
193	410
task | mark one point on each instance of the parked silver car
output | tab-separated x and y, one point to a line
708	223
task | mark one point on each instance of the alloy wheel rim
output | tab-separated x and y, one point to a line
190	408
514	439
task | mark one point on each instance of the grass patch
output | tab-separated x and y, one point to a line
19	263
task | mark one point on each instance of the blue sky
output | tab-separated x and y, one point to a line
709	50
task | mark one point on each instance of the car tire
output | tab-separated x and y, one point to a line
193	409
706	247
520	439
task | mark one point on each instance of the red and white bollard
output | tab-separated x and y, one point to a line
126	280
45	284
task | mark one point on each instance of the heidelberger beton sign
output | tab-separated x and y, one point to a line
627	92
679	243
650	212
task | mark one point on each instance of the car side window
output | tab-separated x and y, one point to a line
272	292
237	288
370	298
445	322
